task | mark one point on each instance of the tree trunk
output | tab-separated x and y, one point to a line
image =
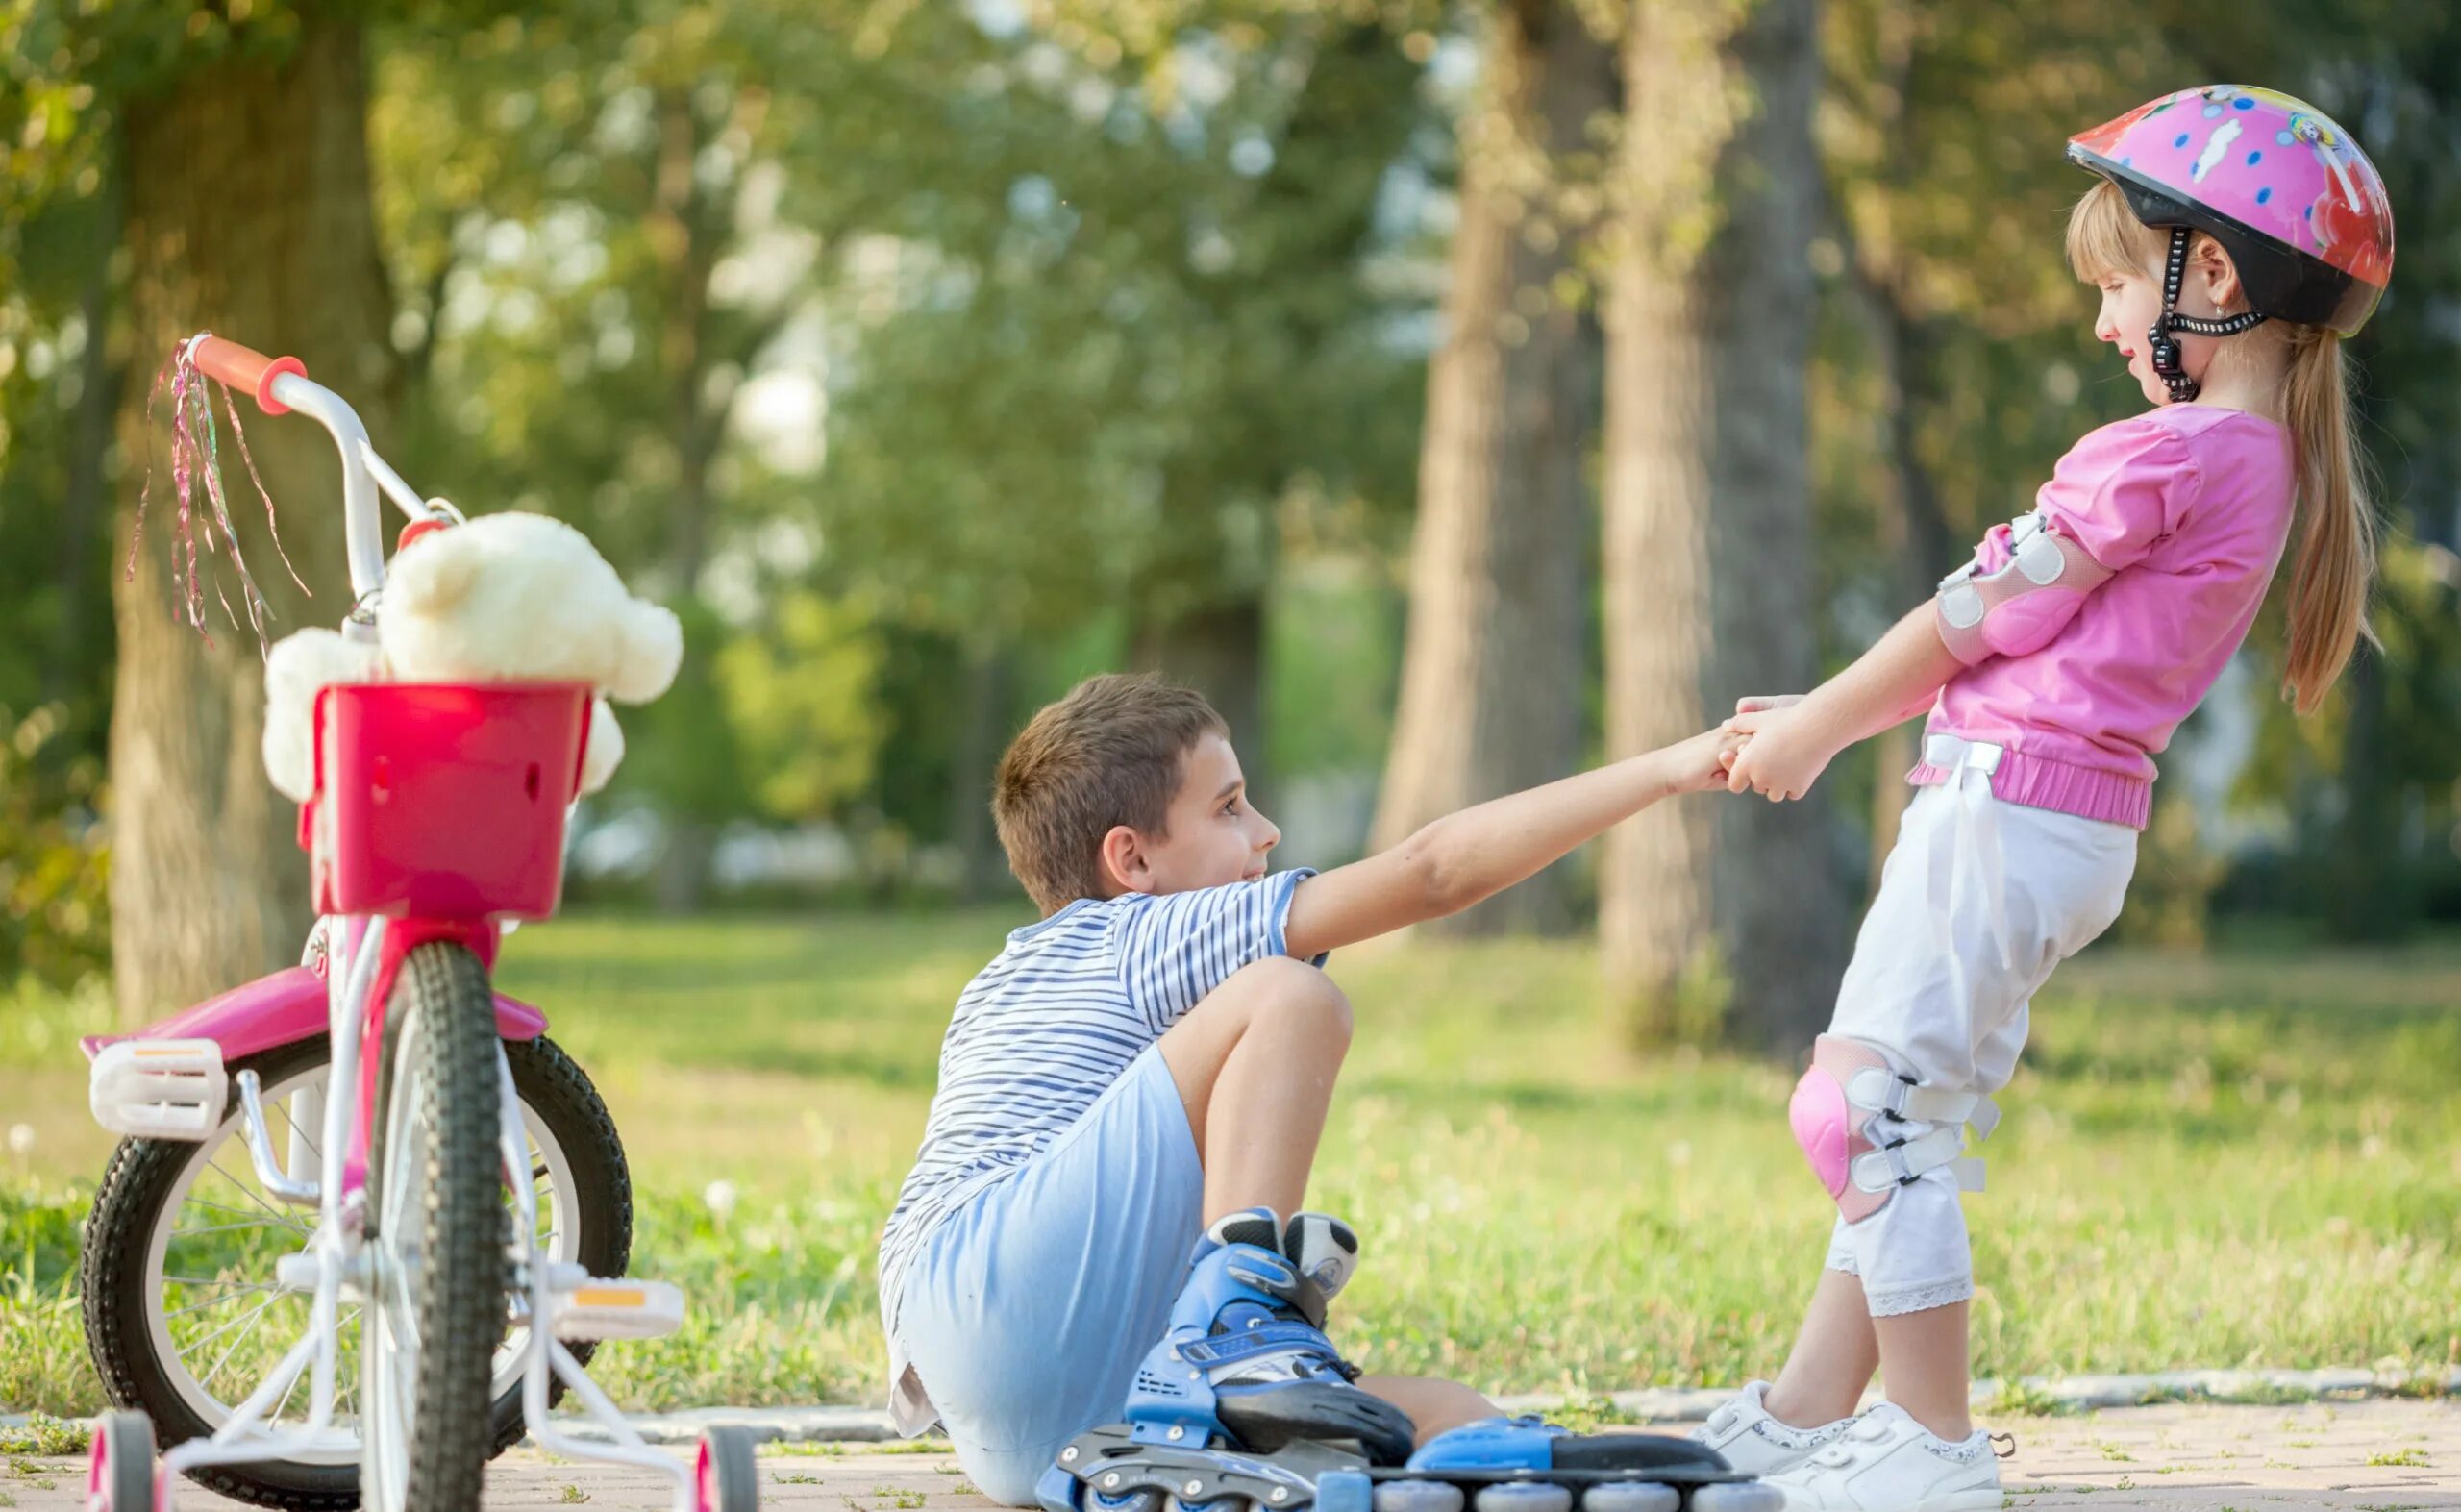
85	504
1917	534
1732	907
985	722
1493	668
248	213
686	245
1219	649
1918	537
2373	899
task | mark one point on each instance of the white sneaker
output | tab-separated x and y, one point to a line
1755	1443
1887	1462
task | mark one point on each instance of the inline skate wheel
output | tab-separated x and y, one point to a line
1137	1501
726	1478
1632	1495
119	1465
1739	1495
1345	1491
1418	1495
1525	1495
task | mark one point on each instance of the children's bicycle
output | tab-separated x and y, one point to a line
440	1238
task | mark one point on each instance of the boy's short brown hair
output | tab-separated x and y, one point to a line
1108	754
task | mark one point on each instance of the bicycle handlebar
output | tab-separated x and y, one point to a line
245	367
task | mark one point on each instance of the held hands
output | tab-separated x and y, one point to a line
1698	764
1771	749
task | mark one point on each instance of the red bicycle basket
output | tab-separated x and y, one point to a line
443	802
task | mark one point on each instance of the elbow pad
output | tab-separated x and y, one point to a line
2019	606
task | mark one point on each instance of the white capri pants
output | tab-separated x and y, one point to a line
1980	899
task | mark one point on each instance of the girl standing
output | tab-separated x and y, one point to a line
2237	237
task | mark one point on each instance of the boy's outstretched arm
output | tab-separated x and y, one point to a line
1463	857
1791	746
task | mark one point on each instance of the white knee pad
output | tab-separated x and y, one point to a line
2020	606
1851	1114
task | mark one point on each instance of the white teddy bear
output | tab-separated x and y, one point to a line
505	597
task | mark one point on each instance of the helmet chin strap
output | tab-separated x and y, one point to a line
2165	351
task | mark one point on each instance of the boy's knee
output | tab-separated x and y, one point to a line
1283	986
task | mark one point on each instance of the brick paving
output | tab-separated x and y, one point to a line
2379	1455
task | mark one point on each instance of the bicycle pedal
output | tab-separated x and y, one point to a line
159	1088
622	1309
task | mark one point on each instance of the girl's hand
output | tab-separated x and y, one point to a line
1750	704
1781	754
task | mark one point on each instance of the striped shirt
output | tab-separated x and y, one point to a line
1052	1022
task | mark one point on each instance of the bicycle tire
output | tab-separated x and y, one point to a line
435	1177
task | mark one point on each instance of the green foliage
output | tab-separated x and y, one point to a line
1104	391
682	750
2170	896
42	1434
803	691
55	880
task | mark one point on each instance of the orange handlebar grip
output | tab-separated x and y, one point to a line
245	367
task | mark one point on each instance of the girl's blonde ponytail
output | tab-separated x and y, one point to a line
2336	563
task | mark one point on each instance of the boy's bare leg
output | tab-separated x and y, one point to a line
1832	1359
1433	1405
1254	1065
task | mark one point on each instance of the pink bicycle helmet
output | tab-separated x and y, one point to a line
2284	189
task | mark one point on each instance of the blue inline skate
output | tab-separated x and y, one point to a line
1245	1406
1246	1363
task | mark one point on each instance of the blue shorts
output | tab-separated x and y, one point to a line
1027	1312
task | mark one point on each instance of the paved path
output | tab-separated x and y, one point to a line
2369	1456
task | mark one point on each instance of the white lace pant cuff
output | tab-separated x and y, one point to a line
1918	1298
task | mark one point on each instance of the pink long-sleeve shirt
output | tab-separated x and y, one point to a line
2188	508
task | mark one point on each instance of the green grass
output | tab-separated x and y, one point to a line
2253	1160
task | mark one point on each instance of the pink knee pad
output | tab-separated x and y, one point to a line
1850	1084
1828	1127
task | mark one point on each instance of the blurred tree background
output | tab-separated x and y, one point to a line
1423	381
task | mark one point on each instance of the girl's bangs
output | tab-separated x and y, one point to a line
2105	240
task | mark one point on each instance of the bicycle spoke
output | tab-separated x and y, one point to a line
219	1228
230	1294
207	1379
275	1416
283	1107
225	1207
199	1280
250	1193
346	1363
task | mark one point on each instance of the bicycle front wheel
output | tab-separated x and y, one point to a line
438	1240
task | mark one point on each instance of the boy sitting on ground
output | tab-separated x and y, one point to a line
1146	1072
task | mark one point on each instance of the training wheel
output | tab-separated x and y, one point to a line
1632	1495
119	1466
726	1476
1525	1495
1739	1495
